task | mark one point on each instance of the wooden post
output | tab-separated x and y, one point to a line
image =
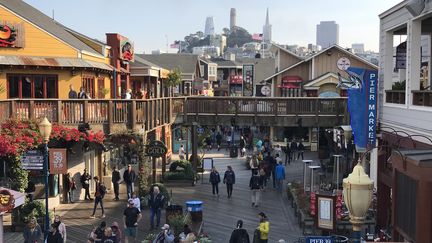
110	115
12	107
133	115
59	112
85	111
185	110
31	108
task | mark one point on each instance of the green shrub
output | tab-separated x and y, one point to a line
177	223
32	209
178	175
180	163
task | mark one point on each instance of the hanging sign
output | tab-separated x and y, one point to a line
11	35
32	160
58	161
156	148
248	77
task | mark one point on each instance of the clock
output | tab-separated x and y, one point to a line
343	63
265	90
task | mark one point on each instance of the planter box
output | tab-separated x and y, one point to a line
179	183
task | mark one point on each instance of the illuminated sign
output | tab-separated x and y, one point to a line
11	35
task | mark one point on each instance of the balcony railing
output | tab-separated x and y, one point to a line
422	97
395	96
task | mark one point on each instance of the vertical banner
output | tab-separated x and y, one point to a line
362	105
248	77
58	161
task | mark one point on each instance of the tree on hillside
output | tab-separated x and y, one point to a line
174	79
238	36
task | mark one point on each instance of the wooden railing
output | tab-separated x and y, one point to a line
422	97
395	96
266	106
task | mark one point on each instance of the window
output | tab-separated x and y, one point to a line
32	86
101	87
88	85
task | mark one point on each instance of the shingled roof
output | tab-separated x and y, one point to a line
187	63
44	22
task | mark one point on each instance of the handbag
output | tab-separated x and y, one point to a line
257	236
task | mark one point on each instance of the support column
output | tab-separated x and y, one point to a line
413	59
271	133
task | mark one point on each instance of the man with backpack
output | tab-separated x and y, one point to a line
255	185
100	192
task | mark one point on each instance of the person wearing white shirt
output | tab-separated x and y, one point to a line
136	200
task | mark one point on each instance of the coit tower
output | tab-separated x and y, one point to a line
232	18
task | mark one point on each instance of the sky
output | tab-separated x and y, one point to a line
151	25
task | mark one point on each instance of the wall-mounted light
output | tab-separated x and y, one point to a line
73	72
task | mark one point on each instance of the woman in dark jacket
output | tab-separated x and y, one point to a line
239	235
215	180
54	236
229	180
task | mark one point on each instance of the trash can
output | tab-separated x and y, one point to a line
233	152
173	211
195	209
339	239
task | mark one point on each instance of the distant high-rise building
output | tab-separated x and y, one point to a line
267	29
219	41
209	26
232	18
327	34
358	48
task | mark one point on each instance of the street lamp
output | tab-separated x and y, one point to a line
45	130
357	192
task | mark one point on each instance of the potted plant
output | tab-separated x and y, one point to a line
104	92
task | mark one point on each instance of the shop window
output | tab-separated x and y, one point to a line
32	86
88	85
101	87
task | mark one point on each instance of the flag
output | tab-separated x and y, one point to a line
176	44
257	37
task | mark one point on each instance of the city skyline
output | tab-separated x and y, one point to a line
293	23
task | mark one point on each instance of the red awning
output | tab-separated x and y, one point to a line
291	79
289	86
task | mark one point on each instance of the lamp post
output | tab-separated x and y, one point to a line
357	192
45	130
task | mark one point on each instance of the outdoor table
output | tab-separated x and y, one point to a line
305	164
312	168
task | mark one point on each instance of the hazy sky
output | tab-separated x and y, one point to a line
150	24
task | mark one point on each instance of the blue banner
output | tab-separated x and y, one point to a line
362	105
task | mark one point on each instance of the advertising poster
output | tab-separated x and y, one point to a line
248	77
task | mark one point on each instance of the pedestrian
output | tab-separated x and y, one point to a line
208	143
301	149
116	231
288	154
128	94
100	191
239	235
70	187
271	168
218	140
61	227
82	94
165	236
129	178
229	180
32	232
97	234
254	163
131	217
255	186
263	227
115	178
277	150
228	139
85	182
242	144
259	145
293	150
215	180
72	93
181	152
263	172
280	176
108	236
156	202
54	235
137	202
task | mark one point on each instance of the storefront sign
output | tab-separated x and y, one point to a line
126	49
248	77
32	160
123	139
236	79
362	105
156	149
319	239
11	34
7	201
58	161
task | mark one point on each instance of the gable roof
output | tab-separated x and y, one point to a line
286	51
139	62
321	52
223	63
39	19
185	62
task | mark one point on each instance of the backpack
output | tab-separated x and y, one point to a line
103	190
255	183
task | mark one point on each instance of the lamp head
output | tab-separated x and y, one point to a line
45	128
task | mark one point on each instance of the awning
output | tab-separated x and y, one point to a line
122	70
291	79
53	62
289	86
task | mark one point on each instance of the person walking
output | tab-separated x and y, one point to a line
32	232
255	186
156	202
99	195
131	217
181	152
54	235
85	182
288	154
271	161
301	149
215	180
280	176
115	179
218	140
293	150
263	228
69	187
242	144
228	139
229	180
116	231
61	227
129	178
239	235
165	236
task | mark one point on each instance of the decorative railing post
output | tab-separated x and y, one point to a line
133	114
